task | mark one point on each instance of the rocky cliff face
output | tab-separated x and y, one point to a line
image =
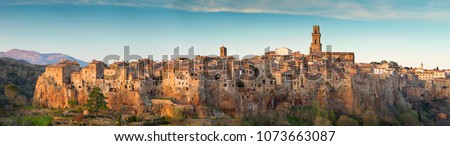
52	96
48	94
352	96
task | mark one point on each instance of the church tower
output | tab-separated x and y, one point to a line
223	51
316	46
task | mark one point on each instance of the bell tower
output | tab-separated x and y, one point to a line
223	51
316	46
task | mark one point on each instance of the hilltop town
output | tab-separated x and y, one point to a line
224	87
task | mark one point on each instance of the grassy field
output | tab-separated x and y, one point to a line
35	121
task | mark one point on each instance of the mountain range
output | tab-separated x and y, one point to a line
34	57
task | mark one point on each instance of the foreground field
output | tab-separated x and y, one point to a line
29	116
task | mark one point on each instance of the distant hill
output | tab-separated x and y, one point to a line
20	73
38	58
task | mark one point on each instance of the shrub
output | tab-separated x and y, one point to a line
156	121
346	121
261	119
176	115
73	102
320	121
370	118
11	91
300	116
409	118
240	84
133	119
307	115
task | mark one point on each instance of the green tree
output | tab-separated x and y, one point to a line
96	100
240	83
346	121
309	115
300	116
11	91
393	64
370	118
409	118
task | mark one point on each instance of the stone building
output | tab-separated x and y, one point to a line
93	73
283	51
61	71
431	74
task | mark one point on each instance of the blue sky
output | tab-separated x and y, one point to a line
409	32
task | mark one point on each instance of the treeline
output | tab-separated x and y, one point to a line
317	115
20	74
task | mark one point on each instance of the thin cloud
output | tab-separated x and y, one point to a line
346	9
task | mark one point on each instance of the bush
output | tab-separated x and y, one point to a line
346	121
73	102
409	118
156	121
307	115
11	91
133	119
240	84
320	121
261	119
370	118
175	116
300	116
